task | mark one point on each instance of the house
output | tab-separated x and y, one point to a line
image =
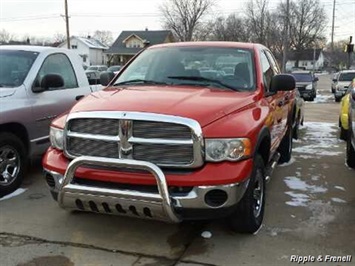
130	43
89	49
304	59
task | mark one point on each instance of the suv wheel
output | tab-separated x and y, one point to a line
249	214
12	163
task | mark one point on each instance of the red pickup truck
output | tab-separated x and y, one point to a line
184	131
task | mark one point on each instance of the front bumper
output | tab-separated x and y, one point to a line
162	205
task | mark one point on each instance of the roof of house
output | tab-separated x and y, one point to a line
153	37
92	43
304	55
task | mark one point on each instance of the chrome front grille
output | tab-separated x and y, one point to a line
163	140
152	129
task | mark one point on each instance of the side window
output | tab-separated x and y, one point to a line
268	73
273	62
58	64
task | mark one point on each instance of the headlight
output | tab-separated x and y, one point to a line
218	150
56	137
309	87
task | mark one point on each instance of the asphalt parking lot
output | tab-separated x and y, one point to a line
310	211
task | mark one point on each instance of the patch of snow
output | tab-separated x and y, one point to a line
298	199
315	178
206	234
296	183
323	98
14	194
340	188
293	216
338	200
322	138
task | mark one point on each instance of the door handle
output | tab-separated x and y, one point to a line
78	97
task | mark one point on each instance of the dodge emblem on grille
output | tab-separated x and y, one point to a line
125	132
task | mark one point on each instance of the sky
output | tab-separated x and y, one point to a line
44	18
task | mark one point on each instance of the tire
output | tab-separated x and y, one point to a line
350	152
343	133
285	148
248	216
13	161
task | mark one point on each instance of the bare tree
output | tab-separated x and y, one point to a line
184	17
103	36
5	36
258	20
232	28
59	38
307	24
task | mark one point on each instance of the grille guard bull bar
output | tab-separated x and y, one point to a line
69	190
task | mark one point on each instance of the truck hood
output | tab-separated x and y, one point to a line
6	92
202	104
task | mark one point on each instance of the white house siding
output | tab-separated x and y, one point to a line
89	56
97	57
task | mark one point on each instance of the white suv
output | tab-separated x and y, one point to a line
342	82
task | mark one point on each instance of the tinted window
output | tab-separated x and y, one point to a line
197	66
268	73
15	66
59	64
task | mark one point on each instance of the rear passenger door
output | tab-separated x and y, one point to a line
48	104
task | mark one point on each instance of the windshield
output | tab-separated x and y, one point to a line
92	68
347	76
14	66
299	77
222	68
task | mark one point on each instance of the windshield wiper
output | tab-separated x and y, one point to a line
197	78
144	81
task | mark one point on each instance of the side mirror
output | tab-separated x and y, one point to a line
334	80
353	94
316	78
282	82
106	77
48	81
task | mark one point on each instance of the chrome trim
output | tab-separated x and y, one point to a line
195	199
128	140
162	198
46	138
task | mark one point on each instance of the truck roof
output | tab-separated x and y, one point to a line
211	44
31	48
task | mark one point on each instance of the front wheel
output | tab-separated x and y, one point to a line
12	163
249	214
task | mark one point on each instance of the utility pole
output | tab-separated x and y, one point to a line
285	40
332	44
67	23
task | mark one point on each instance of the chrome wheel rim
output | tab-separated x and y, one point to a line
258	193
9	165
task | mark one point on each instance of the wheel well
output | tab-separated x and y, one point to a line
264	149
18	130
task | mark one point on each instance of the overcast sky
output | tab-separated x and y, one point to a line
43	18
